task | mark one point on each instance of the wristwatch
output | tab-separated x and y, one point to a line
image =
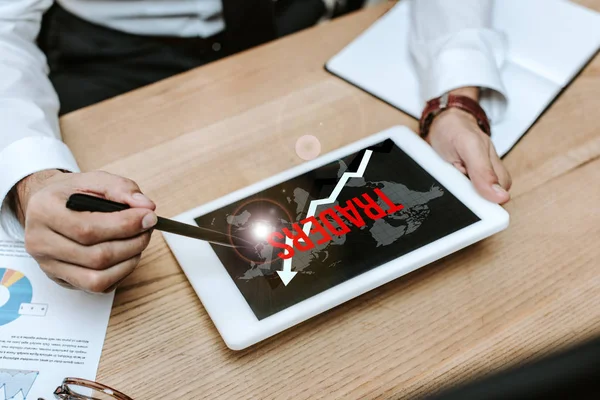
436	106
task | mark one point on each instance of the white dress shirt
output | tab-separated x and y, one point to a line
450	41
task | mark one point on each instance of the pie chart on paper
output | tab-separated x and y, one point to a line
15	289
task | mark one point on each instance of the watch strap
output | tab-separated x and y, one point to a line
438	105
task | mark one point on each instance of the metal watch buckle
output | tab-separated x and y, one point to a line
444	101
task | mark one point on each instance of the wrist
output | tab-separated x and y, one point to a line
21	193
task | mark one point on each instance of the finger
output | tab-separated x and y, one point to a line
502	173
112	187
114	287
475	154
89	228
63	283
460	166
100	256
88	279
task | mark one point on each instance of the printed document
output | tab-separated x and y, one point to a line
47	332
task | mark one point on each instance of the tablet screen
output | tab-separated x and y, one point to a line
332	224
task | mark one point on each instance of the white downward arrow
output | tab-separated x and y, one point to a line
287	274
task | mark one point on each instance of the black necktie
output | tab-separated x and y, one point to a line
248	23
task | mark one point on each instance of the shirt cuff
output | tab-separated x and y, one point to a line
453	68
23	158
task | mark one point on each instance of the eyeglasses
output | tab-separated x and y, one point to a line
82	389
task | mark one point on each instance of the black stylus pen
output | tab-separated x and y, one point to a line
84	202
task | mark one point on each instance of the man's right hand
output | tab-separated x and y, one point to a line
86	250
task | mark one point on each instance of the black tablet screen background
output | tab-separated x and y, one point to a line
430	213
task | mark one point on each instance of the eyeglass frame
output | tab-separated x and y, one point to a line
63	392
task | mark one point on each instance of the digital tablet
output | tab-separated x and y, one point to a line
324	232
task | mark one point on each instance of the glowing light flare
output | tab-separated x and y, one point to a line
261	230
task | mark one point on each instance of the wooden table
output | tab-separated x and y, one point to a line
523	293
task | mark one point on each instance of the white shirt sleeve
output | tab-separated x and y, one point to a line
29	131
453	46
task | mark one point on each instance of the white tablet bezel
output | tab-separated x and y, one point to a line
226	305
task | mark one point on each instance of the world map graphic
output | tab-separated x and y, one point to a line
382	232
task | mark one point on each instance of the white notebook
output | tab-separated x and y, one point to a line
549	42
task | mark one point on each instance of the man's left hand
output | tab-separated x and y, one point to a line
456	136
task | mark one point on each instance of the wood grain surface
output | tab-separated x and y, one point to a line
528	291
